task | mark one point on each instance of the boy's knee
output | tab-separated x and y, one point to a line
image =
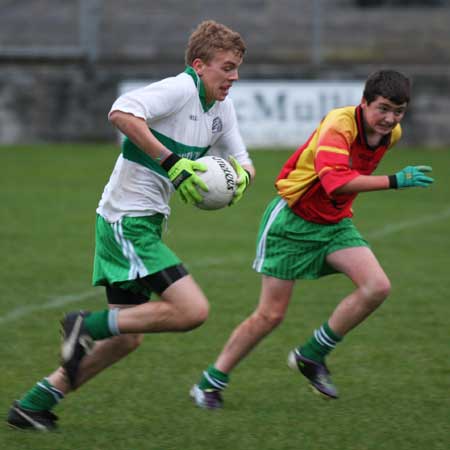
127	343
195	316
201	314
382	289
270	319
378	290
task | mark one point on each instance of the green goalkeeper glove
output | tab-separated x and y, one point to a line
242	182
411	176
182	174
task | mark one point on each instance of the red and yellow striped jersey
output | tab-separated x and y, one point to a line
335	153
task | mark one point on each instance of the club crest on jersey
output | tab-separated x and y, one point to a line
217	125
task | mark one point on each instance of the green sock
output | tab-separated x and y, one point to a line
43	396
98	324
320	344
214	379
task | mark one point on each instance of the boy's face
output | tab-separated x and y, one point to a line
382	115
219	74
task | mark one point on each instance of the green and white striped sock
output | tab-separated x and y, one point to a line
320	344
43	396
214	379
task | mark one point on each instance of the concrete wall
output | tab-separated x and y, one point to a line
57	81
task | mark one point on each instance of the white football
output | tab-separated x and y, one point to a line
221	178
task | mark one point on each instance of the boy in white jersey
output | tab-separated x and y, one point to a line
167	126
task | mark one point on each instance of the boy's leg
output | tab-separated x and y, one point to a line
182	307
274	300
372	287
33	410
106	352
273	303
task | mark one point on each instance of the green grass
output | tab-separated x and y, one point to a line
392	371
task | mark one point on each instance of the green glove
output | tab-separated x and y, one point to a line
182	174
242	182
411	176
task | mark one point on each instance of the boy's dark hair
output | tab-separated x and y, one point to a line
389	84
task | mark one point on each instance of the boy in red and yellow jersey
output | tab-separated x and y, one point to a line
307	232
336	153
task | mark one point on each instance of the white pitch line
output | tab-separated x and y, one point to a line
400	226
56	302
23	311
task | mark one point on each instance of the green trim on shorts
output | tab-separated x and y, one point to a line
129	249
291	248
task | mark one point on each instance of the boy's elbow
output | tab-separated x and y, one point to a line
337	191
113	117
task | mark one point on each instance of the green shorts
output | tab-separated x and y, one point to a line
291	248
129	249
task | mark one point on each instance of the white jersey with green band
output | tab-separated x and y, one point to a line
177	114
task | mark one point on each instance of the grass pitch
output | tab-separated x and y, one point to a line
392	371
